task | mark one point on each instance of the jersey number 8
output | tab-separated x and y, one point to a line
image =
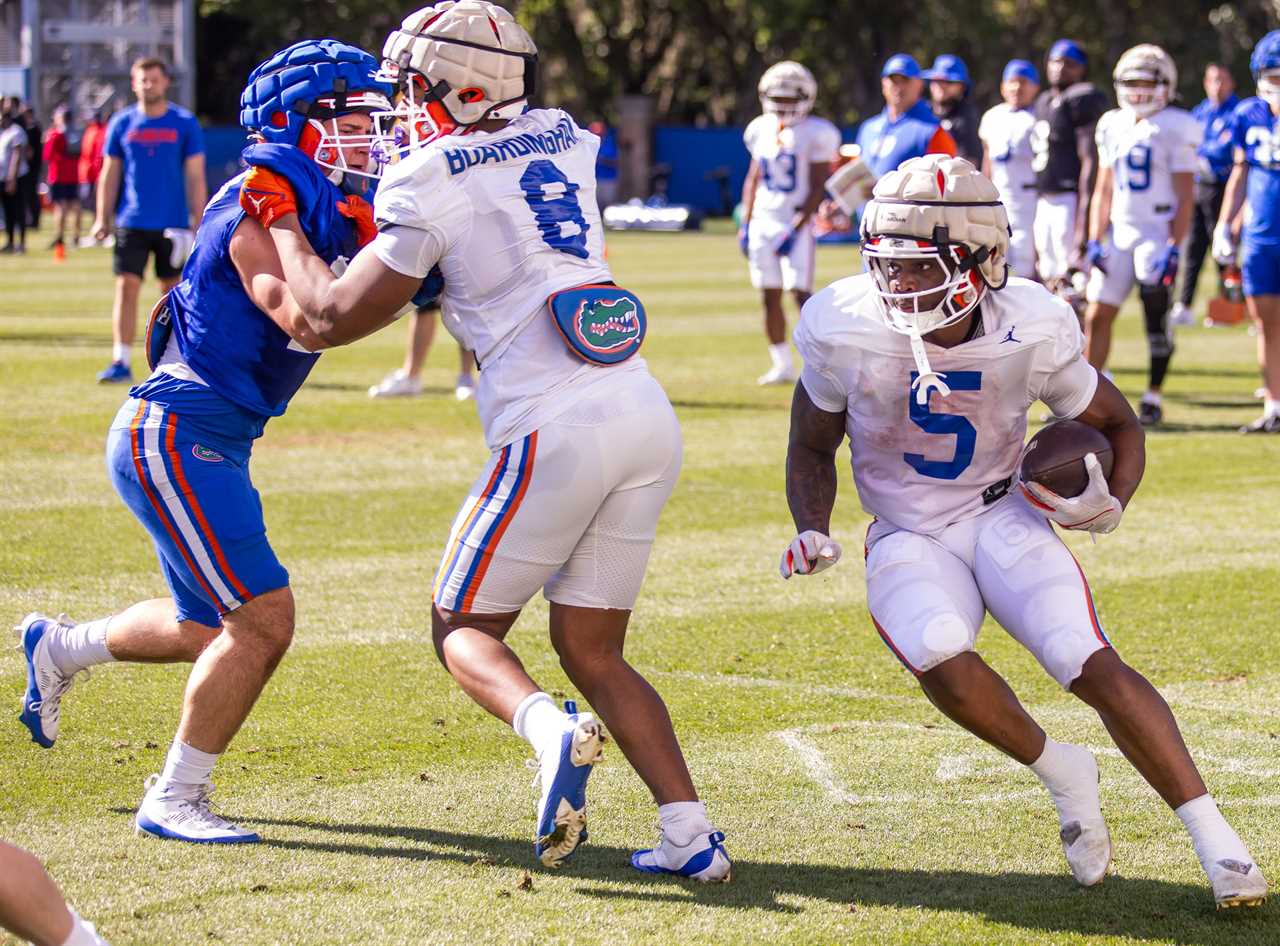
541	181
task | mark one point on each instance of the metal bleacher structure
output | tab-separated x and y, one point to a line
79	51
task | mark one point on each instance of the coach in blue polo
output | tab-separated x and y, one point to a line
907	127
152	188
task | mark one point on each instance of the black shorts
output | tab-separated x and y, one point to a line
132	249
63	193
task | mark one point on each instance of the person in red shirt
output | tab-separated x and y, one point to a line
91	142
62	145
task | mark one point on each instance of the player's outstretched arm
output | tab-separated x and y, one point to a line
339	310
1109	411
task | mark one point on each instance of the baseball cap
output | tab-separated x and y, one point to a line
1068	49
948	68
1020	69
900	64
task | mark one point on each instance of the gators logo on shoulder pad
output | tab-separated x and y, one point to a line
600	324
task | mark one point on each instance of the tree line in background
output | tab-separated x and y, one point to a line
700	59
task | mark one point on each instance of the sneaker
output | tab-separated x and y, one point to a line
46	684
115	373
186	817
562	810
778	374
1150	413
1266	424
397	384
1086	842
1237	884
1181	314
465	389
703	858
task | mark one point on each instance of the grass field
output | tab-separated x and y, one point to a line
395	811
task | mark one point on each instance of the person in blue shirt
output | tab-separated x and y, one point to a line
1214	115
1255	184
907	127
230	347
151	192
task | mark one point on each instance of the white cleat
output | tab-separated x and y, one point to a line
397	384
1181	315
702	858
1237	884
778	374
1085	839
187	817
465	389
563	771
46	684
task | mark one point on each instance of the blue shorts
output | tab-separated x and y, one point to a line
1260	270
192	493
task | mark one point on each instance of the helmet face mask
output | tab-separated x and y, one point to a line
956	285
344	147
1145	80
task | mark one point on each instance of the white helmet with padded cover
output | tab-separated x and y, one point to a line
788	90
1142	64
943	209
457	63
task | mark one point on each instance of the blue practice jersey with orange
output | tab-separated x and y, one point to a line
1255	131
886	142
250	367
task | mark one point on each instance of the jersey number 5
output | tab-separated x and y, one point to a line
955	425
553	198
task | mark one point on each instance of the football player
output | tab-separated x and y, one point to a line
1144	198
1066	162
1006	132
229	348
1255	183
586	448
791	156
928	364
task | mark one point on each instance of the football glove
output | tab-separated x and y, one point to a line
809	553
360	211
1094	254
744	238
1167	264
267	196
1224	245
784	245
1095	510
181	240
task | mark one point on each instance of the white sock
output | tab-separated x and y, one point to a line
85	645
682	821
539	722
1151	397
186	767
1270	407
1214	839
83	932
120	352
781	355
1059	768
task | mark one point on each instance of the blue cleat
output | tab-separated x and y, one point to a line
186	817
562	810
703	858
46	684
115	373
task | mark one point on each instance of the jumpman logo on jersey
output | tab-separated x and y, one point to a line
1009	336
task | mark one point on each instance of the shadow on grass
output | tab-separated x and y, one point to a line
686	404
1136	907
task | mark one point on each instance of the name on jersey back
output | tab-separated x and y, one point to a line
561	138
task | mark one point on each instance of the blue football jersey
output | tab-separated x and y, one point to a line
887	142
242	355
1256	132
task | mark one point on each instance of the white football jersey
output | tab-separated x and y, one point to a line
784	154
511	218
1143	155
1006	132
923	468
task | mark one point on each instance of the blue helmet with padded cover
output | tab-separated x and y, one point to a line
292	98
1266	55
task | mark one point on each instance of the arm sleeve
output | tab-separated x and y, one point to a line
192	139
941	143
410	251
114	146
1061	377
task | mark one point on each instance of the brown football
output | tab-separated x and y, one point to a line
1054	457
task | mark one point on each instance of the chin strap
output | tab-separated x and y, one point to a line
927	379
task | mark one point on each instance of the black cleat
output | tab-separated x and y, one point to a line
1266	424
1149	413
